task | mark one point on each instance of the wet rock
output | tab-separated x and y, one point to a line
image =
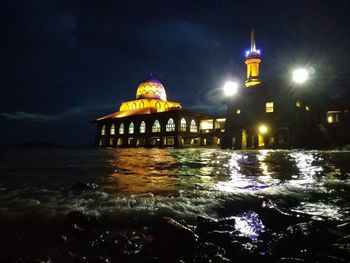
227	221
323	258
345	227
221	238
311	236
207	251
206	226
40	259
83	186
81	219
345	239
341	250
173	239
219	258
291	260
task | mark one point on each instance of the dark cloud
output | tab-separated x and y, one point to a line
59	57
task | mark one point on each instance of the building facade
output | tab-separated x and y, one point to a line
280	114
269	114
152	121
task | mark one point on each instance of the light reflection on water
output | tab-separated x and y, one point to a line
300	175
183	181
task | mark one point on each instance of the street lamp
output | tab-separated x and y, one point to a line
300	75
230	88
263	129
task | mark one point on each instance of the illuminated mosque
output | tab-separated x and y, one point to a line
269	114
153	121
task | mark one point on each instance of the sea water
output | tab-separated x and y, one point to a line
133	186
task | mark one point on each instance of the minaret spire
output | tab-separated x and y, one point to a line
252	61
252	42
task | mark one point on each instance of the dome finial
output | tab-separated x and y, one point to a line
252	41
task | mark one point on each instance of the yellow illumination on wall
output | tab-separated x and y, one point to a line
158	105
103	130
269	107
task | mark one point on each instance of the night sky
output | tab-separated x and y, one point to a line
64	63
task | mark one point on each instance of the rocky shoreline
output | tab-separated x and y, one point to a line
86	238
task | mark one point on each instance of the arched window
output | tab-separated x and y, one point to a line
131	128
170	126
126	107
112	130
156	126
183	125
103	130
143	127
166	107
193	126
141	104
134	105
121	129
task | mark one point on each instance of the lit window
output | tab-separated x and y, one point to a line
112	131
206	125
269	106
141	104
333	116
143	127
183	125
131	128
307	108
156	126
193	126
298	104
170	126
121	129
238	111
103	130
134	105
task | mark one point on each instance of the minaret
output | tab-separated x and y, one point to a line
253	60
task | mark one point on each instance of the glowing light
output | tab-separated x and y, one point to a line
263	129
300	75
230	88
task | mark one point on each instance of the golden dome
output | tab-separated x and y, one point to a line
151	88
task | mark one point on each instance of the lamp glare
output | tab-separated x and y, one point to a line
230	88
262	129
300	75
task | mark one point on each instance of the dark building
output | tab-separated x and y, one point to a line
269	114
281	114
